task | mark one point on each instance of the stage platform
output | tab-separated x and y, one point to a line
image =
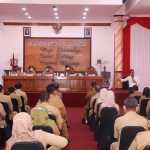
76	99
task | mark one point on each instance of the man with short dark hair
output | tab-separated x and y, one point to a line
19	92
7	99
142	139
88	97
12	93
131	118
57	92
136	92
132	79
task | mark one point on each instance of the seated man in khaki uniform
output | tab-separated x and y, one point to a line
131	118
48	70
142	139
7	99
15	70
68	70
97	89
12	93
30	70
57	102
135	91
45	100
2	117
19	92
57	92
88	97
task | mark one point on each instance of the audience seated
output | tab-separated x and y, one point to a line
2	117
7	99
57	92
19	92
40	118
109	102
45	100
88	97
135	91
131	118
31	70
22	132
101	99
142	139
12	93
57	102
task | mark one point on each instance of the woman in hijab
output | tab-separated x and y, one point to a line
41	118
101	99
22	132
109	102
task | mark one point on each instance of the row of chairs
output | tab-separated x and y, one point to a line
104	134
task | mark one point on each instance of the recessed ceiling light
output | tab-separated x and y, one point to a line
23	8
86	9
84	13
29	17
84	17
55	13
26	14
55	9
57	17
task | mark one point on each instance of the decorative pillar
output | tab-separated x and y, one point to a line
118	50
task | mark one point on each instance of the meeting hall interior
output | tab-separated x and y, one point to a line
74	74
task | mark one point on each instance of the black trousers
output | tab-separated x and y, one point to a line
130	90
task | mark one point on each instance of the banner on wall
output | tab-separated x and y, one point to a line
57	52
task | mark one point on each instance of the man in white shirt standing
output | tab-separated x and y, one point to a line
132	80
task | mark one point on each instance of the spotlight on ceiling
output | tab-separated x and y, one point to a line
54	8
86	9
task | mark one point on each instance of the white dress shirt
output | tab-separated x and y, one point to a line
131	83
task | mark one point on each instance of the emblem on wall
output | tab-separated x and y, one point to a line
57	28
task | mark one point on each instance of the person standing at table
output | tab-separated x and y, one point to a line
68	70
132	79
48	70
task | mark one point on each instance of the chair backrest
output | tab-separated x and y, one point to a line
47	129
51	116
15	104
128	133
98	106
107	114
147	147
6	108
143	107
23	106
137	98
27	146
93	105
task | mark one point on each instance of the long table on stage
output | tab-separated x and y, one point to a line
39	83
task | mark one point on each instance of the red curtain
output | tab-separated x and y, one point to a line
143	21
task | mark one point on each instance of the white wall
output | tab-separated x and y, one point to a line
101	42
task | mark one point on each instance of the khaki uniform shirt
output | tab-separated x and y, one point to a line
56	102
90	94
6	99
2	114
129	119
51	110
23	94
30	72
58	94
15	72
48	72
136	93
141	140
68	72
13	95
93	98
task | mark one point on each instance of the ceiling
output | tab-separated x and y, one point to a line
66	13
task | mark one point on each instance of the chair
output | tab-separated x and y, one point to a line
52	117
27	146
143	107
137	98
128	133
147	147
23	106
15	104
47	129
107	114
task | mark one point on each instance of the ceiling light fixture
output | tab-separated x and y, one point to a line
84	17
23	8
26	14
84	13
86	9
57	17
55	13
29	17
54	8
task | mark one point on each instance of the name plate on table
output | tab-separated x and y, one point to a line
72	75
29	74
91	75
14	74
49	75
